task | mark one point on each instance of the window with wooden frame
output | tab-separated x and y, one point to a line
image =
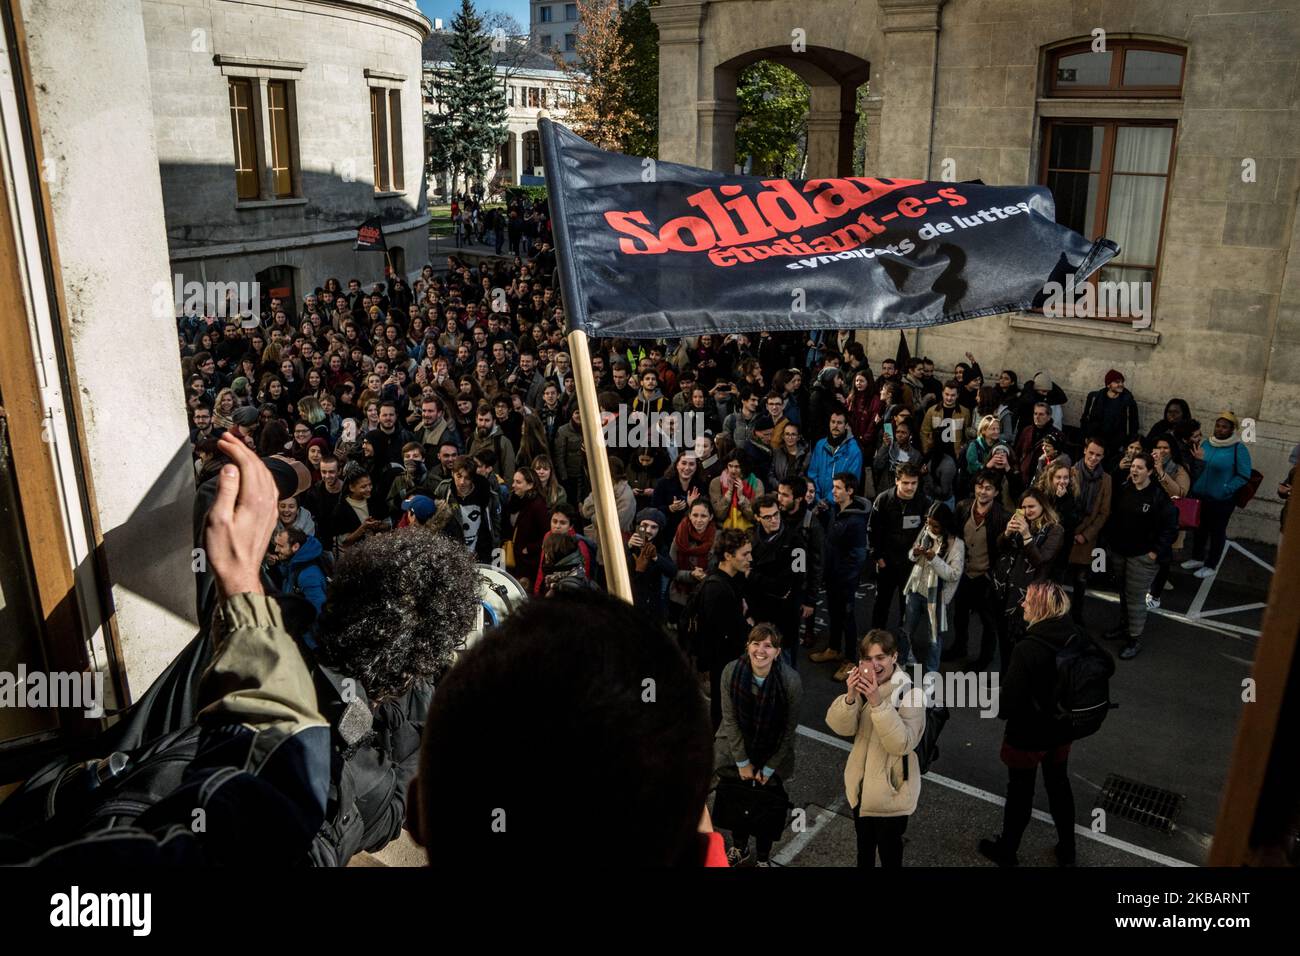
379	139
1127	68
395	139
1111	179
386	139
280	124
1110	176
243	126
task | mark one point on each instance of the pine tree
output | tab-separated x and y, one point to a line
474	123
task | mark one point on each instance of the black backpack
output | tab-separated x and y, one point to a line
71	798
1082	695
689	624
927	748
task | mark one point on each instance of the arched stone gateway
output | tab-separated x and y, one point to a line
833	45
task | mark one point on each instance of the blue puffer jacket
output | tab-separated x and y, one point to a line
306	577
828	461
1226	469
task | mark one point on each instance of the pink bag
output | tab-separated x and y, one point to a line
1189	512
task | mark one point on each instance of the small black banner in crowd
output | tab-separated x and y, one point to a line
652	249
370	236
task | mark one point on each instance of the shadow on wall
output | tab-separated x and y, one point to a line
132	548
199	201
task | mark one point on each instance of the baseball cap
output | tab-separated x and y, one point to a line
421	507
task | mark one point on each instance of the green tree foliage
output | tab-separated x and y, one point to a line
772	125
641	77
474	118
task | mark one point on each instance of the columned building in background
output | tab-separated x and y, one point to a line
280	128
1180	141
533	86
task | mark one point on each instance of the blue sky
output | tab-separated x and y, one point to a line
446	9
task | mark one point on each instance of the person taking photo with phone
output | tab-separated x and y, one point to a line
885	716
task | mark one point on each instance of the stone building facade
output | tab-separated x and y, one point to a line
281	127
553	25
1180	140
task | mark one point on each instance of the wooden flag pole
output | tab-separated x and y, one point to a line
612	548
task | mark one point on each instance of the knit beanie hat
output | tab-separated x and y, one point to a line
651	514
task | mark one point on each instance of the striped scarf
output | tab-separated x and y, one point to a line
760	711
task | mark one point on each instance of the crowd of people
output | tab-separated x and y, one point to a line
448	403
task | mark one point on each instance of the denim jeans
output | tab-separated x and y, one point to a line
926	648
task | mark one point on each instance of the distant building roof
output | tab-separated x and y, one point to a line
518	55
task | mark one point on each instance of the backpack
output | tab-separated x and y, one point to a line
326	564
689	624
1082	693
70	798
927	748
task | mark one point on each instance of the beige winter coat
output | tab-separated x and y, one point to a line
883	735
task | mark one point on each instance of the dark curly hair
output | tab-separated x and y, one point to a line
399	605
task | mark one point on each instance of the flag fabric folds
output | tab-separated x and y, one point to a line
370	236
651	249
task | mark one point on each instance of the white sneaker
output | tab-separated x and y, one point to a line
1204	573
1152	603
1192	565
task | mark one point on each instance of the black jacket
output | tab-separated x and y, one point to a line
1112	418
846	543
890	540
820	406
773	582
723	628
815	539
1028	697
1142	521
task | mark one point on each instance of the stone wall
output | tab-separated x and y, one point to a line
112	249
962	80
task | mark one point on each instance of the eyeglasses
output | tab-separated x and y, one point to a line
771	517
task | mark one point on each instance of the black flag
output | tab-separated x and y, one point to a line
370	236
653	249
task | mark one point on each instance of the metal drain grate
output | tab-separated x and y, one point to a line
1142	803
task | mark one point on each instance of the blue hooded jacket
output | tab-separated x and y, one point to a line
306	577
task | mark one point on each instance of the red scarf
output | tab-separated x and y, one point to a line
692	548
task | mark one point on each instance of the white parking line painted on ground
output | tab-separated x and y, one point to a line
1246	634
996	800
792	849
1239	660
